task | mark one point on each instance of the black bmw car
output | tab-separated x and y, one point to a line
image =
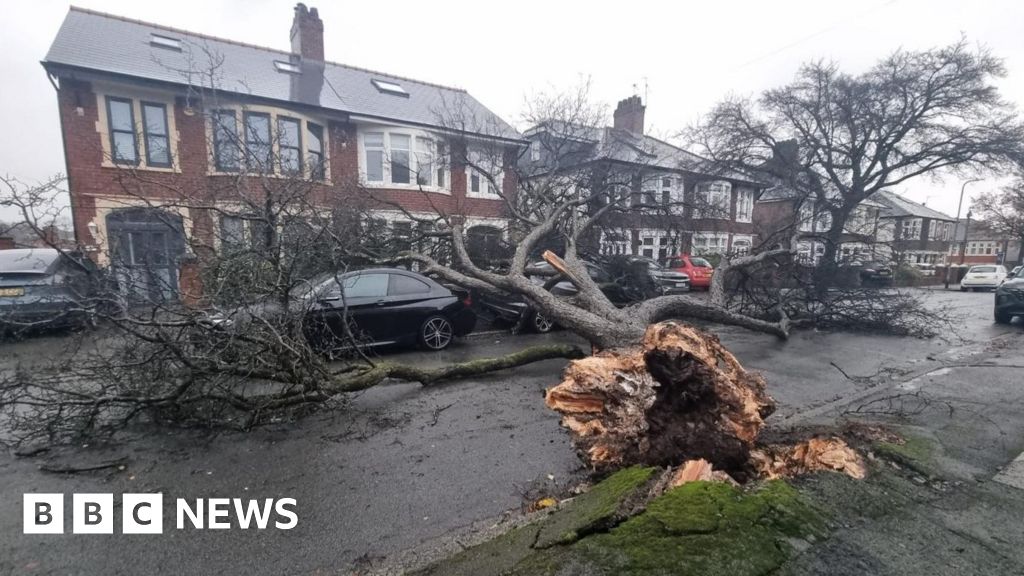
1009	300
383	306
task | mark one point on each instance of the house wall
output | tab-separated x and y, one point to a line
97	186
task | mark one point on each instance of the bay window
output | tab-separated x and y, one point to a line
400	153
289	143
424	162
259	153
713	199
315	151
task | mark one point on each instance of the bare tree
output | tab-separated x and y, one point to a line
1004	210
837	138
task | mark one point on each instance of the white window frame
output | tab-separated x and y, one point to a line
415	139
805	214
497	173
914	224
704	243
662	245
744	205
717	196
747	243
616	243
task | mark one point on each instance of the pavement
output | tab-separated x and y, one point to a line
402	467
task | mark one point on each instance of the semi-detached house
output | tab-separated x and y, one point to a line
172	107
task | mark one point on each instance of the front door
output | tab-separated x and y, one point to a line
144	248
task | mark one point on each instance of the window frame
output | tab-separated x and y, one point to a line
744	205
111	131
301	169
146	134
475	158
707	192
218	143
318	169
249	153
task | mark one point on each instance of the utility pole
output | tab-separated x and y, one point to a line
967	228
959	207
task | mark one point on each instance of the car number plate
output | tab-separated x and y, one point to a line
680	284
12	292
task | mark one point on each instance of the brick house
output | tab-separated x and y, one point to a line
671	202
984	246
780	208
138	97
914	233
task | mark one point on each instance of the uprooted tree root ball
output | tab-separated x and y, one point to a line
677	399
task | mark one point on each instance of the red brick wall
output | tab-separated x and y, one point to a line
77	105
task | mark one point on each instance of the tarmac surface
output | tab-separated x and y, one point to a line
403	466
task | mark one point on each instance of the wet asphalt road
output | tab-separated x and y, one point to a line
402	465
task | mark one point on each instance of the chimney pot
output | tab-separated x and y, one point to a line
629	115
307	34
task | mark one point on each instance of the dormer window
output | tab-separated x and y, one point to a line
287	67
389	87
165	42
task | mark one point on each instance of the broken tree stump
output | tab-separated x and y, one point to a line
678	396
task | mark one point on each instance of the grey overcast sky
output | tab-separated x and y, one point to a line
684	56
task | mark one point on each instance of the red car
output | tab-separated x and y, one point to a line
698	269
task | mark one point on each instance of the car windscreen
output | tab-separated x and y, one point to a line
983	270
34	261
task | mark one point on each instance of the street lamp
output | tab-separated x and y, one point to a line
967	228
959	207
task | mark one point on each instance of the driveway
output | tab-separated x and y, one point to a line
403	465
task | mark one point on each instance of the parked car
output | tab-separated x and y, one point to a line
513	308
983	277
873	273
384	306
699	270
47	287
1009	301
666	281
621	288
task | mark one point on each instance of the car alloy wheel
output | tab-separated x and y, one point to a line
541	324
436	333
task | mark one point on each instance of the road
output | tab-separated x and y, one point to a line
401	465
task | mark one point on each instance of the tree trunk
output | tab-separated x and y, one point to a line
679	395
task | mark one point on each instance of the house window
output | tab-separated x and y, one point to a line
442	160
823	221
485	176
424	162
710	243
315	150
535	151
654	244
373	143
614	243
911	228
289	143
712	200
258	148
232	233
154	131
744	206
806	216
400	164
121	120
401	235
225	141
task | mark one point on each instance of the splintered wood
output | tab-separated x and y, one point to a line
680	399
679	396
809	456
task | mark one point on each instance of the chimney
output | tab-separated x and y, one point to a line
308	33
629	115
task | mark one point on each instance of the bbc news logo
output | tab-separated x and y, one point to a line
144	513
